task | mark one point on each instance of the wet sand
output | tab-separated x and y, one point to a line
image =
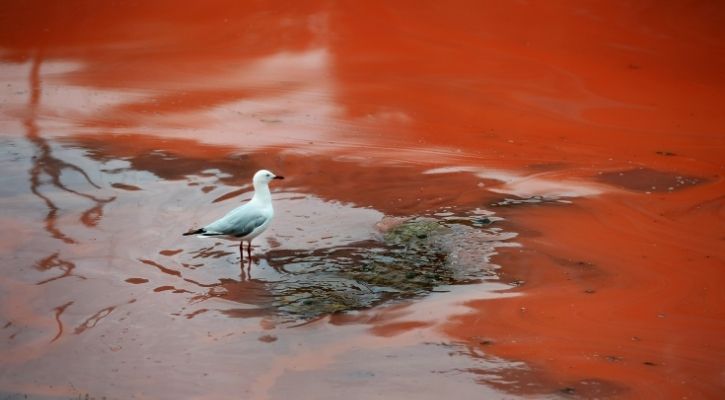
594	131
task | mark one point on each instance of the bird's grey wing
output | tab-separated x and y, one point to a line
238	223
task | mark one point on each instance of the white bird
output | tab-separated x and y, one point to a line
247	221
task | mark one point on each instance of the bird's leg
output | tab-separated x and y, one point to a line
249	250
241	250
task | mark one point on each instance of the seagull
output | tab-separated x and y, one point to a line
246	221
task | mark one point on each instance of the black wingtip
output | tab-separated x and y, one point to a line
196	232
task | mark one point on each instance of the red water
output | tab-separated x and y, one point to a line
123	124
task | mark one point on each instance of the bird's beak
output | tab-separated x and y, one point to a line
278	177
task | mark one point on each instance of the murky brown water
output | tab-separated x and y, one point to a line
572	151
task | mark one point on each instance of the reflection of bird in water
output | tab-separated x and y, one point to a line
247	221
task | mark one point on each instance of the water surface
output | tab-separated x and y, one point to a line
572	151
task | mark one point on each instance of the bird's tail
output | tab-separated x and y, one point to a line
196	232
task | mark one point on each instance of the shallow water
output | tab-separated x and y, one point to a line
573	153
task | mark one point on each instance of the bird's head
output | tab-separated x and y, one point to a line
264	176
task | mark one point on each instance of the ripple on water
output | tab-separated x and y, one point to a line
419	256
650	180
